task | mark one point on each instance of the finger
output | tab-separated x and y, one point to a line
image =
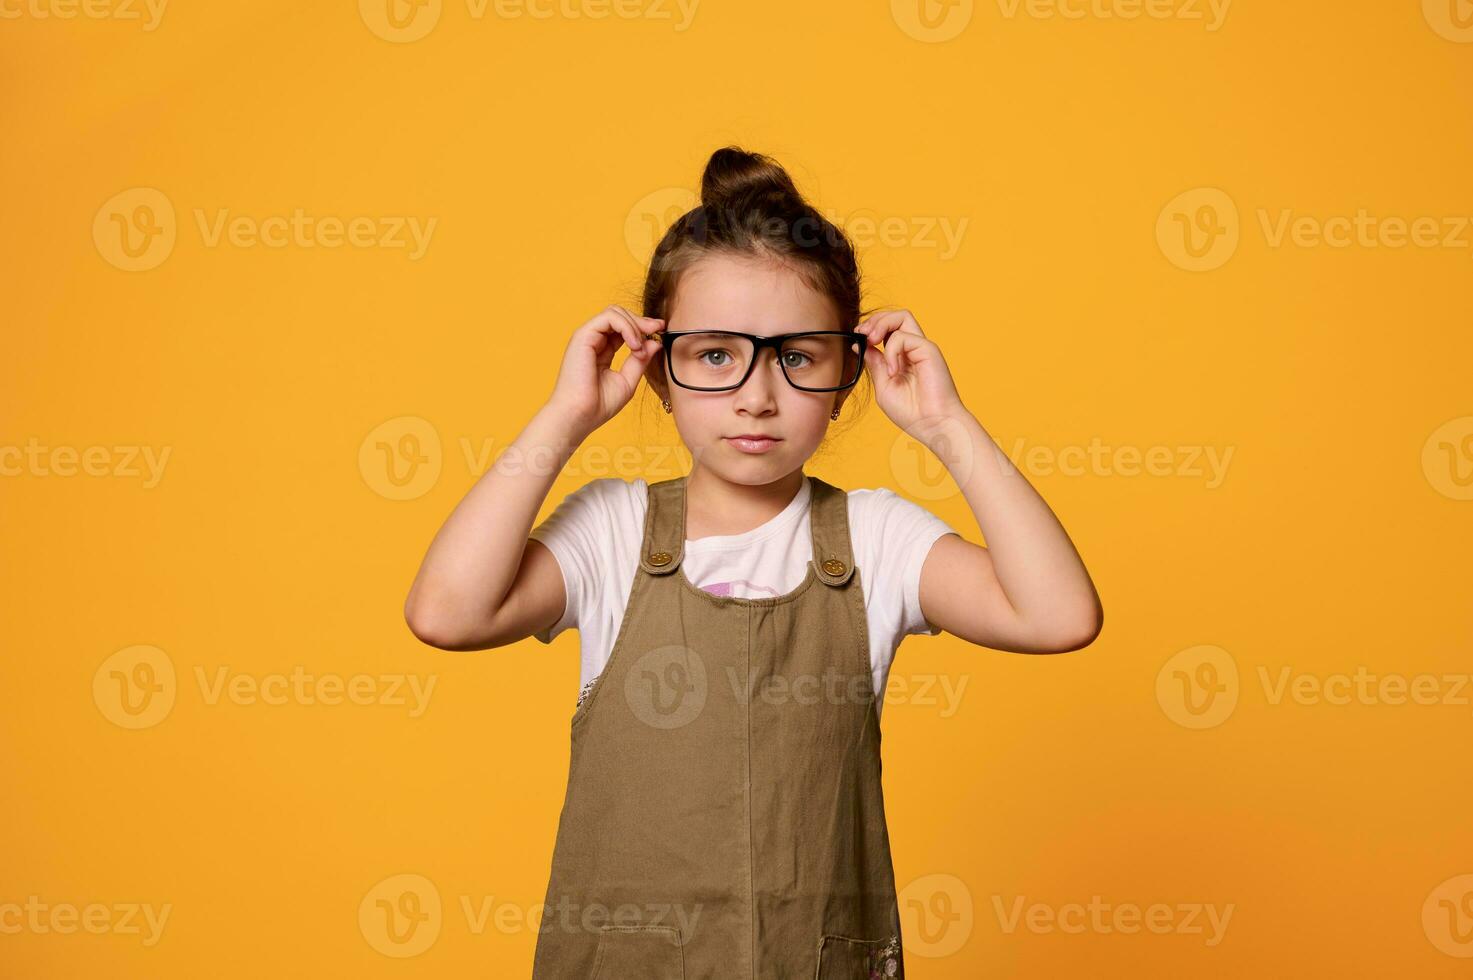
868	326
876	365
645	324
911	348
652	326
633	335
634	366
907	322
608	333
641	325
604	349
896	350
883	324
622	321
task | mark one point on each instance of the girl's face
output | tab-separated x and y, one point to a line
756	296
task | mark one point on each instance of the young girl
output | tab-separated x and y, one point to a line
724	815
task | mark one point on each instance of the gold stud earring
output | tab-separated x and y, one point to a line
666	403
834	415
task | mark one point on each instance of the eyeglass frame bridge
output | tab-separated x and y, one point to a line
758	344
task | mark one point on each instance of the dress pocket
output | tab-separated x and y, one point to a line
639	953
843	958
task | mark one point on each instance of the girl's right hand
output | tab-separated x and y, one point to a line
588	391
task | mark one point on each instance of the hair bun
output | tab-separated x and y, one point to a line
734	173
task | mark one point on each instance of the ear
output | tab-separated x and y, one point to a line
654	376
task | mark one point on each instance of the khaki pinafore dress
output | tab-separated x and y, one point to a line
724	817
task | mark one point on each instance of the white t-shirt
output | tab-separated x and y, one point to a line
596	532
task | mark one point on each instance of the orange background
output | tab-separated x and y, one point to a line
1079	152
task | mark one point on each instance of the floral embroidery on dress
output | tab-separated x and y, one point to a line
584	693
884	961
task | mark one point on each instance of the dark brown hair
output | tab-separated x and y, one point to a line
750	207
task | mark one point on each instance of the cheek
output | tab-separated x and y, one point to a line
699	420
807	419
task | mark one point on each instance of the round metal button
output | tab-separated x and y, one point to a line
834	566
660	558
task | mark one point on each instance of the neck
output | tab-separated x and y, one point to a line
715	506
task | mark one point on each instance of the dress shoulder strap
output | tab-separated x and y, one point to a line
833	552
664	527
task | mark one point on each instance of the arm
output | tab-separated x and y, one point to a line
1028	590
483	582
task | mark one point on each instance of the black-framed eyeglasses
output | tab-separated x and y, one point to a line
722	360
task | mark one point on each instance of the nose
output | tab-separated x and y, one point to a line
758	395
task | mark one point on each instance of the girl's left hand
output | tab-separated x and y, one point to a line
912	383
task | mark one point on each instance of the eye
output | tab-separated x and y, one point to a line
718	353
804	359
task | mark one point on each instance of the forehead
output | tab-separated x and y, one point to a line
753	295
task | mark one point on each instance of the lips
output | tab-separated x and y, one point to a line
753	443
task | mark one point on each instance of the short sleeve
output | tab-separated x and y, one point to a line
574	532
907	532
